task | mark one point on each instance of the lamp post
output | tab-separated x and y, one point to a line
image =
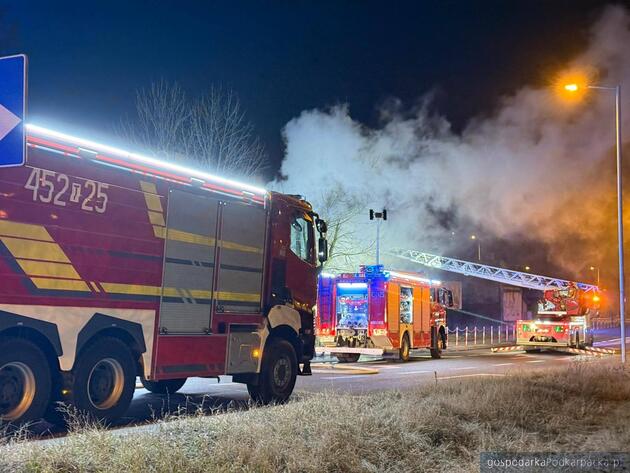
474	237
573	87
593	268
379	216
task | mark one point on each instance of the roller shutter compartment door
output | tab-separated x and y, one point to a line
241	252
187	292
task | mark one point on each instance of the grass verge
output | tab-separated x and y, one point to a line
441	427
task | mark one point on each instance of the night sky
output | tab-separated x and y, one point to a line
88	58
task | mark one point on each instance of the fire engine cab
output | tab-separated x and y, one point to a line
383	313
115	265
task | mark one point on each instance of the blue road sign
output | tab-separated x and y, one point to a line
12	110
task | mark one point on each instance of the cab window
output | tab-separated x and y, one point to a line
302	238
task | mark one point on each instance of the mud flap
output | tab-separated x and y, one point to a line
306	369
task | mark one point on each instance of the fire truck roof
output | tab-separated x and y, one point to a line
100	150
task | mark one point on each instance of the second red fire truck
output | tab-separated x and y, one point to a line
378	312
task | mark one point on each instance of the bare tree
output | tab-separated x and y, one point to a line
211	131
347	246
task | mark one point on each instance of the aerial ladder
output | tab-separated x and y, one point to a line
492	273
564	313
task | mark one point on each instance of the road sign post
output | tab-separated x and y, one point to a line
12	110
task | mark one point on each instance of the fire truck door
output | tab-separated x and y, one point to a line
393	312
186	299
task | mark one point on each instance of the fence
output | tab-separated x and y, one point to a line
480	336
599	324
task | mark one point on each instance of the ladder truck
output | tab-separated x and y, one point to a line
564	312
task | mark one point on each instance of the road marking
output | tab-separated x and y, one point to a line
504	364
417	372
346	377
470	375
536	361
465	368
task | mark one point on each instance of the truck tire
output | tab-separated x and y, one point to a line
436	351
405	348
104	379
348	357
167	386
277	375
25	381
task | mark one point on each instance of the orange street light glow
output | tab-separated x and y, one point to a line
595	298
571	87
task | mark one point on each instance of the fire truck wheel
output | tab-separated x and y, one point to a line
405	348
25	381
168	386
278	373
104	379
348	357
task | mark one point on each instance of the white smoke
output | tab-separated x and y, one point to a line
536	169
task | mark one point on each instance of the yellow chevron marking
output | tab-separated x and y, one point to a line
60	284
150	196
35	250
179	235
156	213
47	269
24	230
157	218
237	296
159	232
228	245
135	289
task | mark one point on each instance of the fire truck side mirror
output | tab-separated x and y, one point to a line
322	250
322	226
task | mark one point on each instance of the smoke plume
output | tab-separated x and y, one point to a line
535	179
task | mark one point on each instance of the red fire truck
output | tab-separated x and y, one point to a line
115	265
563	319
378	312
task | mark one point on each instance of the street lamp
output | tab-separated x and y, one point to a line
474	237
527	268
572	88
593	268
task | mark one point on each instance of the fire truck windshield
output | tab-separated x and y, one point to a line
352	305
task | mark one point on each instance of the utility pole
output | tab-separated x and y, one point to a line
379	216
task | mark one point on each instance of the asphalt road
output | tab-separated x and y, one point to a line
362	377
368	375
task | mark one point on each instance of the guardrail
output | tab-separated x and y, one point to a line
479	336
